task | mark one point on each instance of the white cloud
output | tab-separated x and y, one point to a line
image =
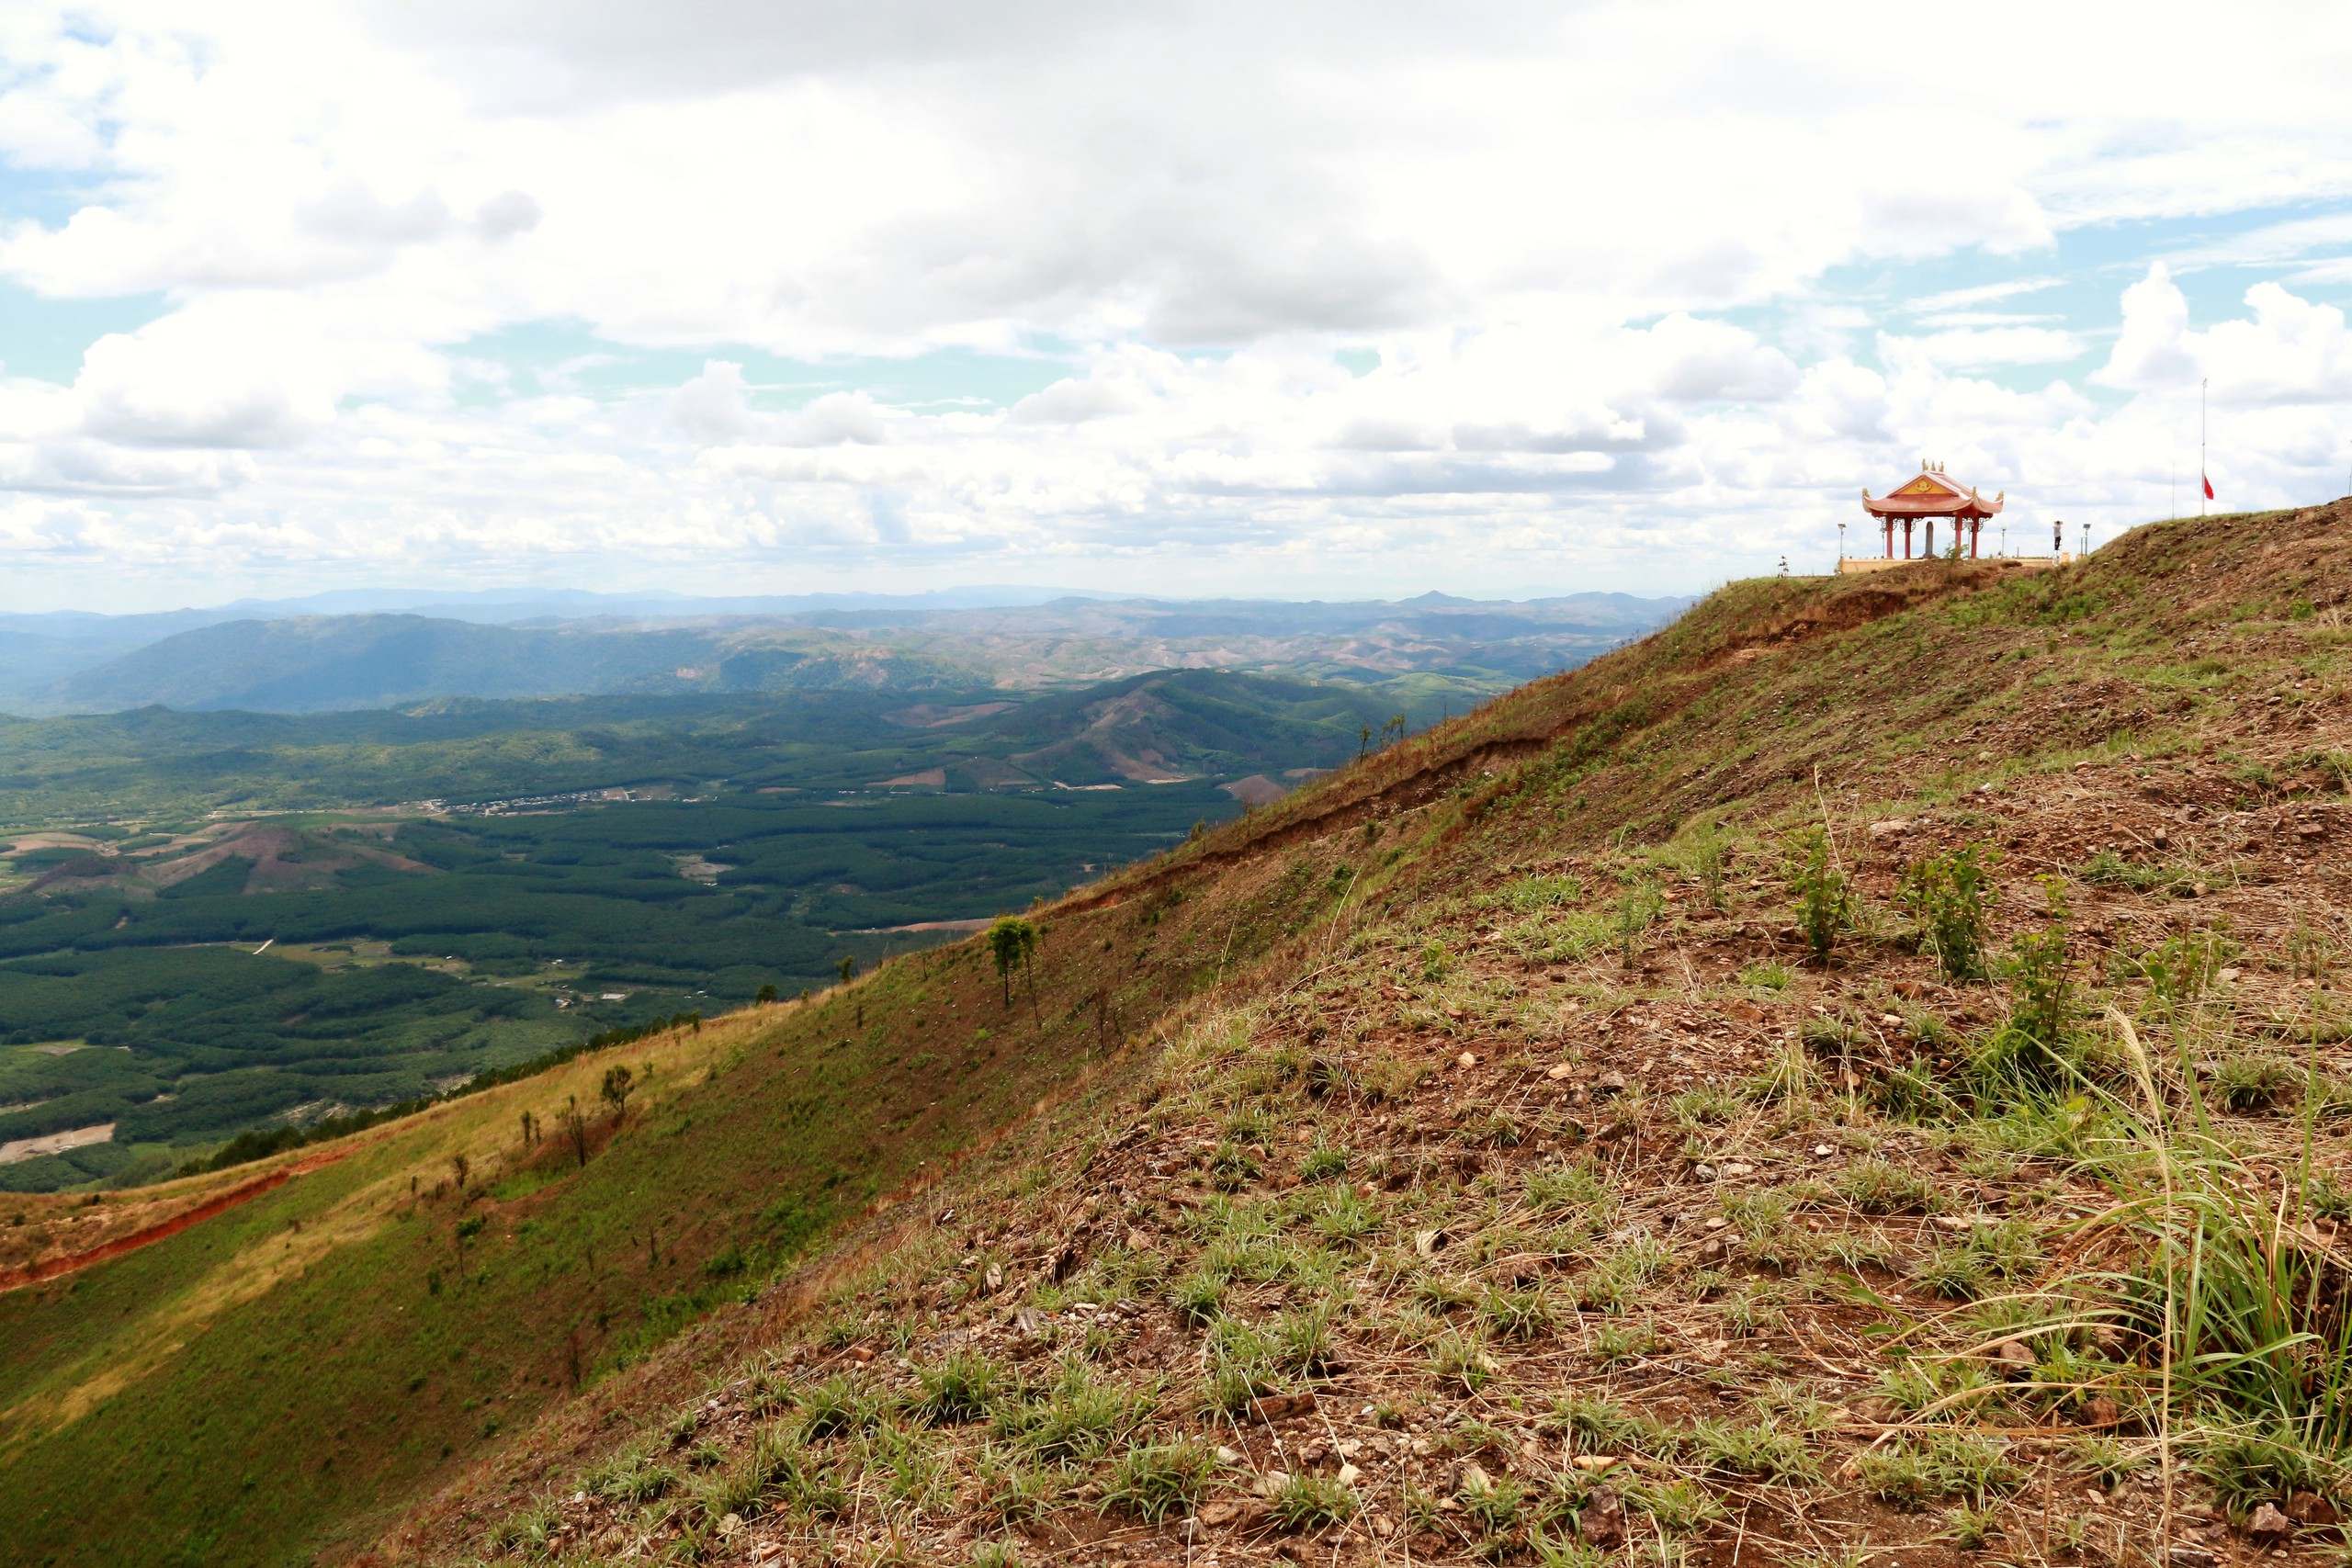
1589	244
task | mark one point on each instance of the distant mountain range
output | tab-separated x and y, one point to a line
261	659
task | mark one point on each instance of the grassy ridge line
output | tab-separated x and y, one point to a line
1589	703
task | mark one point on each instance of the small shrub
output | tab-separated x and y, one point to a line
1565	1189
1199	1299
834	1406
1757	1448
1617	1342
1516	1314
1080	1420
1388	1077
1231	1168
1311	1502
1462	1361
1876	1186
2249	1083
1493	1506
1013	1488
1679	1506
1747	1311
1824	901
2260	1464
1154	1483
1705	1105
1344	1219
1969	1529
1951	898
1598	1423
958	1389
1638	909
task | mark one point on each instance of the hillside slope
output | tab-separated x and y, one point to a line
1545	1190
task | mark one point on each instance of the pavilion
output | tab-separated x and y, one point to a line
1926	498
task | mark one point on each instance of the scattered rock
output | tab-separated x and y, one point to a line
1429	1244
2013	1356
2312	1510
2184	1555
1594	1462
1465	1060
1557	1071
1610	1083
1349	1475
993	1279
2269	1526
1601	1521
1282	1408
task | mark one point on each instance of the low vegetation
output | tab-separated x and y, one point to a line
1672	1115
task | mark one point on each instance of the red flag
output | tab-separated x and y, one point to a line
2209	486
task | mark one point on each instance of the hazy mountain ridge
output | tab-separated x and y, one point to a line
317	663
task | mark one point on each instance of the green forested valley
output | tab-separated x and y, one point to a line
223	922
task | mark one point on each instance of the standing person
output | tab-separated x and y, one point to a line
2057	538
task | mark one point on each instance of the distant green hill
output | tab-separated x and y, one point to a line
322	663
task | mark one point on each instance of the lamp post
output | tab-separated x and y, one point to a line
1841	545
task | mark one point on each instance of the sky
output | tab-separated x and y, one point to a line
1309	301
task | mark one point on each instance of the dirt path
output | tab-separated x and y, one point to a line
20	1275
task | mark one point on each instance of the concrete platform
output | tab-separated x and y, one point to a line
1853	566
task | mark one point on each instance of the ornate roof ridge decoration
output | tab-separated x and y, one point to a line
1931	492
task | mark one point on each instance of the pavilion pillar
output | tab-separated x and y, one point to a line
1907	538
1930	551
1975	527
1890	537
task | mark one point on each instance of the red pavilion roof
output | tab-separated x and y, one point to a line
1932	494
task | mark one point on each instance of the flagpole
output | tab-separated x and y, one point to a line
2204	478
